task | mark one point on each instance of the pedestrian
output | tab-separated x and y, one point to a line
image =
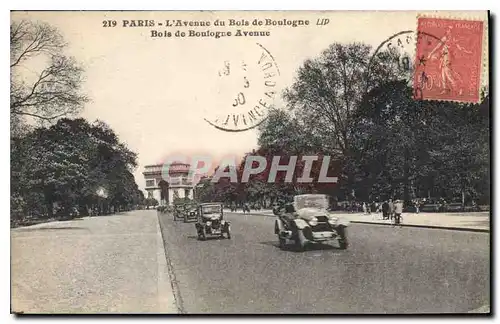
417	206
398	211
364	208
390	209
375	210
385	210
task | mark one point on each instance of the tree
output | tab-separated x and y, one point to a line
66	163
409	148
328	90
150	202
204	190
54	90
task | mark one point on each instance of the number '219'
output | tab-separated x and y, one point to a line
109	23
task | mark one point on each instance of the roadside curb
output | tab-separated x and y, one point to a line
170	269
466	229
454	228
485	309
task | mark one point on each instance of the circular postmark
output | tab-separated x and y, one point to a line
245	90
399	55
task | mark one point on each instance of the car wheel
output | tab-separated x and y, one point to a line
343	244
201	234
300	241
282	242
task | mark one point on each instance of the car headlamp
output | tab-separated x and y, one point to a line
313	221
332	220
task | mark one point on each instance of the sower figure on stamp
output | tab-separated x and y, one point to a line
447	44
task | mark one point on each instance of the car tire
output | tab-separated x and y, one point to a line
343	244
282	242
300	241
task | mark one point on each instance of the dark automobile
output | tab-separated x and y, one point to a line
278	208
454	207
472	208
190	212
458	207
211	221
431	208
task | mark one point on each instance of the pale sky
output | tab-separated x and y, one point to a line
155	92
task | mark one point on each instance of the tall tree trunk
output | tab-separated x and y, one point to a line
406	176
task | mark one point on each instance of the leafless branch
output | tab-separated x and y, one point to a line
56	90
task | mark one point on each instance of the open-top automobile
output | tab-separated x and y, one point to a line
308	220
211	221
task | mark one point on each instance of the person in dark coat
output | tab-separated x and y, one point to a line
385	210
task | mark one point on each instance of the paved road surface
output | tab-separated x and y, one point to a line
385	270
108	264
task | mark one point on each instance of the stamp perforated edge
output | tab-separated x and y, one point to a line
466	16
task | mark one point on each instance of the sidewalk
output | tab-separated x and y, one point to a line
479	221
105	264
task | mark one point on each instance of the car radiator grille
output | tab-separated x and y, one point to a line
321	227
322	219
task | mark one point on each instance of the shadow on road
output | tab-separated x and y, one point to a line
33	229
290	247
208	238
122	213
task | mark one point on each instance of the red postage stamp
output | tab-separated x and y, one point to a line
448	59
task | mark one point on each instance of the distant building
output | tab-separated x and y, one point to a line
165	185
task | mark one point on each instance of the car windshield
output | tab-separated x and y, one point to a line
311	201
211	209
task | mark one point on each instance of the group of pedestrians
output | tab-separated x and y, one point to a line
390	210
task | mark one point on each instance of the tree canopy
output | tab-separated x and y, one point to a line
68	162
46	84
358	107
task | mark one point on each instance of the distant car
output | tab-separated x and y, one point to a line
190	212
483	207
458	207
277	208
430	208
178	210
454	207
211	221
307	220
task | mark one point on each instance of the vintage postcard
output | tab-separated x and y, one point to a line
250	162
